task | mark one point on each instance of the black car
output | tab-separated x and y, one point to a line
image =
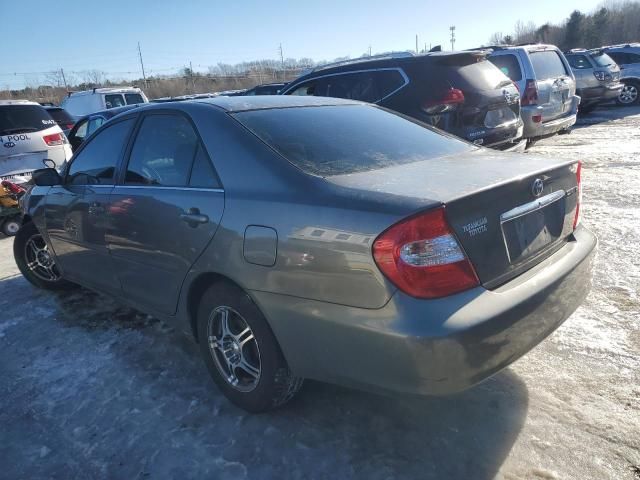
266	89
61	117
88	124
459	92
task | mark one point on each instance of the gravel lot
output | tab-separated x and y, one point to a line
92	389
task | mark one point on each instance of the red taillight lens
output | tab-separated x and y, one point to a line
449	101
54	139
67	126
422	257
530	96
12	187
576	219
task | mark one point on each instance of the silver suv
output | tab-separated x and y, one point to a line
597	77
628	59
546	84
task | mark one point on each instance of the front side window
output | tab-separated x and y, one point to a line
94	124
579	62
306	89
547	64
113	100
96	163
163	152
133	98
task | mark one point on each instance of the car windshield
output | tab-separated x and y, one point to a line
602	60
336	140
24	118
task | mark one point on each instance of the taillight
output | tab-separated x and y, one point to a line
54	139
530	95
67	126
449	101
421	256
12	187
576	219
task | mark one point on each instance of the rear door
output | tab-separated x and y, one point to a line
165	210
556	86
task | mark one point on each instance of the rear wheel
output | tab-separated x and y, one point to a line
35	261
629	94
240	351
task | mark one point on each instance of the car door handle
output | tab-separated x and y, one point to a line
193	217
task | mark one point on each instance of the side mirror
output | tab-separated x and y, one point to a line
49	163
46	177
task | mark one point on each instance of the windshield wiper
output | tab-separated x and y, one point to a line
9	131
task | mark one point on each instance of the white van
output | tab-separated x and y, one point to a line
83	103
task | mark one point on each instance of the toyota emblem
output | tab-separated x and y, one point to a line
536	187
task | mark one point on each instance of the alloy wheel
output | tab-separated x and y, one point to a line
234	348
39	260
629	94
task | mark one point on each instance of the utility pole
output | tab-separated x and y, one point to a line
453	36
417	43
142	66
282	61
64	80
193	82
369	50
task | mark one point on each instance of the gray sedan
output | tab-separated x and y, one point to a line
297	237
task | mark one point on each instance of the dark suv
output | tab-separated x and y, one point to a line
459	92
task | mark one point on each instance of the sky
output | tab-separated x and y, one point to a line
80	36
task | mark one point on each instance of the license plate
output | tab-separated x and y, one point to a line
530	228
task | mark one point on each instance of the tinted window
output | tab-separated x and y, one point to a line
633	58
96	163
113	101
94	124
602	59
475	75
509	65
370	86
334	140
23	119
579	62
81	131
163	152
619	57
61	116
133	98
307	88
547	64
202	173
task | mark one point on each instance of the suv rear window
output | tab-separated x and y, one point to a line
336	140
509	65
547	64
24	118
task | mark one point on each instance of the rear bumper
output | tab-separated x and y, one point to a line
432	346
533	129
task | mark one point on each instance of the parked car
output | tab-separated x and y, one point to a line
597	77
265	89
546	84
83	103
88	124
61	116
28	135
627	57
459	92
407	260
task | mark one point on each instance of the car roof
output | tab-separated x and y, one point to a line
18	102
112	112
262	102
104	90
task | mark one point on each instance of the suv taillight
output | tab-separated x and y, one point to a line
421	256
54	139
447	102
530	95
576	219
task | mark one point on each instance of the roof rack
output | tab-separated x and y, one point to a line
382	56
577	50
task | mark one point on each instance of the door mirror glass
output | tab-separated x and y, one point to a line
49	163
46	177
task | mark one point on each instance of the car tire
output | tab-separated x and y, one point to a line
630	94
10	227
241	352
38	267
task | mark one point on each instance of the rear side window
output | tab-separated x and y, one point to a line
547	64
625	58
602	60
113	100
96	162
24	119
579	62
335	140
509	65
482	75
133	98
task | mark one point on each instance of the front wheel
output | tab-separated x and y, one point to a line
35	261
629	94
241	352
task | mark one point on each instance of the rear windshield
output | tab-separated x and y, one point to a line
336	140
24	118
133	98
60	115
509	65
547	64
602	59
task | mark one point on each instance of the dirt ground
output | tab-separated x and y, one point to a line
92	389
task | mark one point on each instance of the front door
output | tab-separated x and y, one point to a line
164	211
77	212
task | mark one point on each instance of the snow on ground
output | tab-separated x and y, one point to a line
92	389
